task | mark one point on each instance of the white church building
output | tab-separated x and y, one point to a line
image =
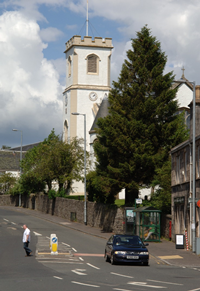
87	84
88	66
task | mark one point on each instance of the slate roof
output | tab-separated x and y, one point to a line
10	161
180	82
25	148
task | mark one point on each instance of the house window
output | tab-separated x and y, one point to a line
185	165
178	169
198	153
92	64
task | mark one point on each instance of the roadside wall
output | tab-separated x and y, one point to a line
107	218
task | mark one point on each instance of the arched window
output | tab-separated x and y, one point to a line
92	64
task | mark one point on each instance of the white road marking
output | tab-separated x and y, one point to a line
59	278
121	289
37	234
13	228
13	223
81	259
144	284
47	237
164	282
93	266
79	272
65	244
195	289
6	220
79	283
121	275
74	250
59	262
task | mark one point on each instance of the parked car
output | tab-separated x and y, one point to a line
126	249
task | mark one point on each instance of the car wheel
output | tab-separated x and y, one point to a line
106	257
112	260
146	263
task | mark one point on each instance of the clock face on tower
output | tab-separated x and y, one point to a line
93	96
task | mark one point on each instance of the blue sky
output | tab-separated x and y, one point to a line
32	41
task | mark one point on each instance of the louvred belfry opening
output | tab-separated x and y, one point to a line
92	64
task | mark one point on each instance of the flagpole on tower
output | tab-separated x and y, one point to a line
87	21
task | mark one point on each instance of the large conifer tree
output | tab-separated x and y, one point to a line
142	125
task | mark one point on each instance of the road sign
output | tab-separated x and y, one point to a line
138	201
190	200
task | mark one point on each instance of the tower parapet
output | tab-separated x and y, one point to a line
89	42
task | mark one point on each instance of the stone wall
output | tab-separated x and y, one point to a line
8	200
107	218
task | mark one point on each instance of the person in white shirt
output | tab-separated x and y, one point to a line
26	240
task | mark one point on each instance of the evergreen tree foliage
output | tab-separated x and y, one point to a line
142	126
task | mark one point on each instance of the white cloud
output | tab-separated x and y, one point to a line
50	34
30	91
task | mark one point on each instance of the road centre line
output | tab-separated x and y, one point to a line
59	278
79	283
144	284
79	272
37	234
121	275
165	282
65	244
93	266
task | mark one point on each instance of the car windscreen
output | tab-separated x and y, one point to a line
128	241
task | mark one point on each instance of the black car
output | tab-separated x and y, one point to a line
126	249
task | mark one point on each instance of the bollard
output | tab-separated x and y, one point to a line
54	244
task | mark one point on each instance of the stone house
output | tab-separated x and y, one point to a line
181	178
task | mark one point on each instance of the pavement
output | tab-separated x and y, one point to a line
164	252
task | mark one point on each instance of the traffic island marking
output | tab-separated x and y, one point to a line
170	257
67	254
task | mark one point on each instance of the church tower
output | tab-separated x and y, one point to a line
87	83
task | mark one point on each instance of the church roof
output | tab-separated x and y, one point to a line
102	112
180	82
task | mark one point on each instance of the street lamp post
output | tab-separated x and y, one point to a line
85	197
194	173
193	165
20	159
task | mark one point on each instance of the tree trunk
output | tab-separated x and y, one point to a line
130	196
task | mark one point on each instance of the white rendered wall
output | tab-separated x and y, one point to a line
100	79
184	96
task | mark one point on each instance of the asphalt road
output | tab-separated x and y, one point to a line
81	265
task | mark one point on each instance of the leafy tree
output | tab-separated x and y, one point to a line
53	160
7	181
134	140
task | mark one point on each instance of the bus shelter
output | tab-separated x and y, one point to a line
143	221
